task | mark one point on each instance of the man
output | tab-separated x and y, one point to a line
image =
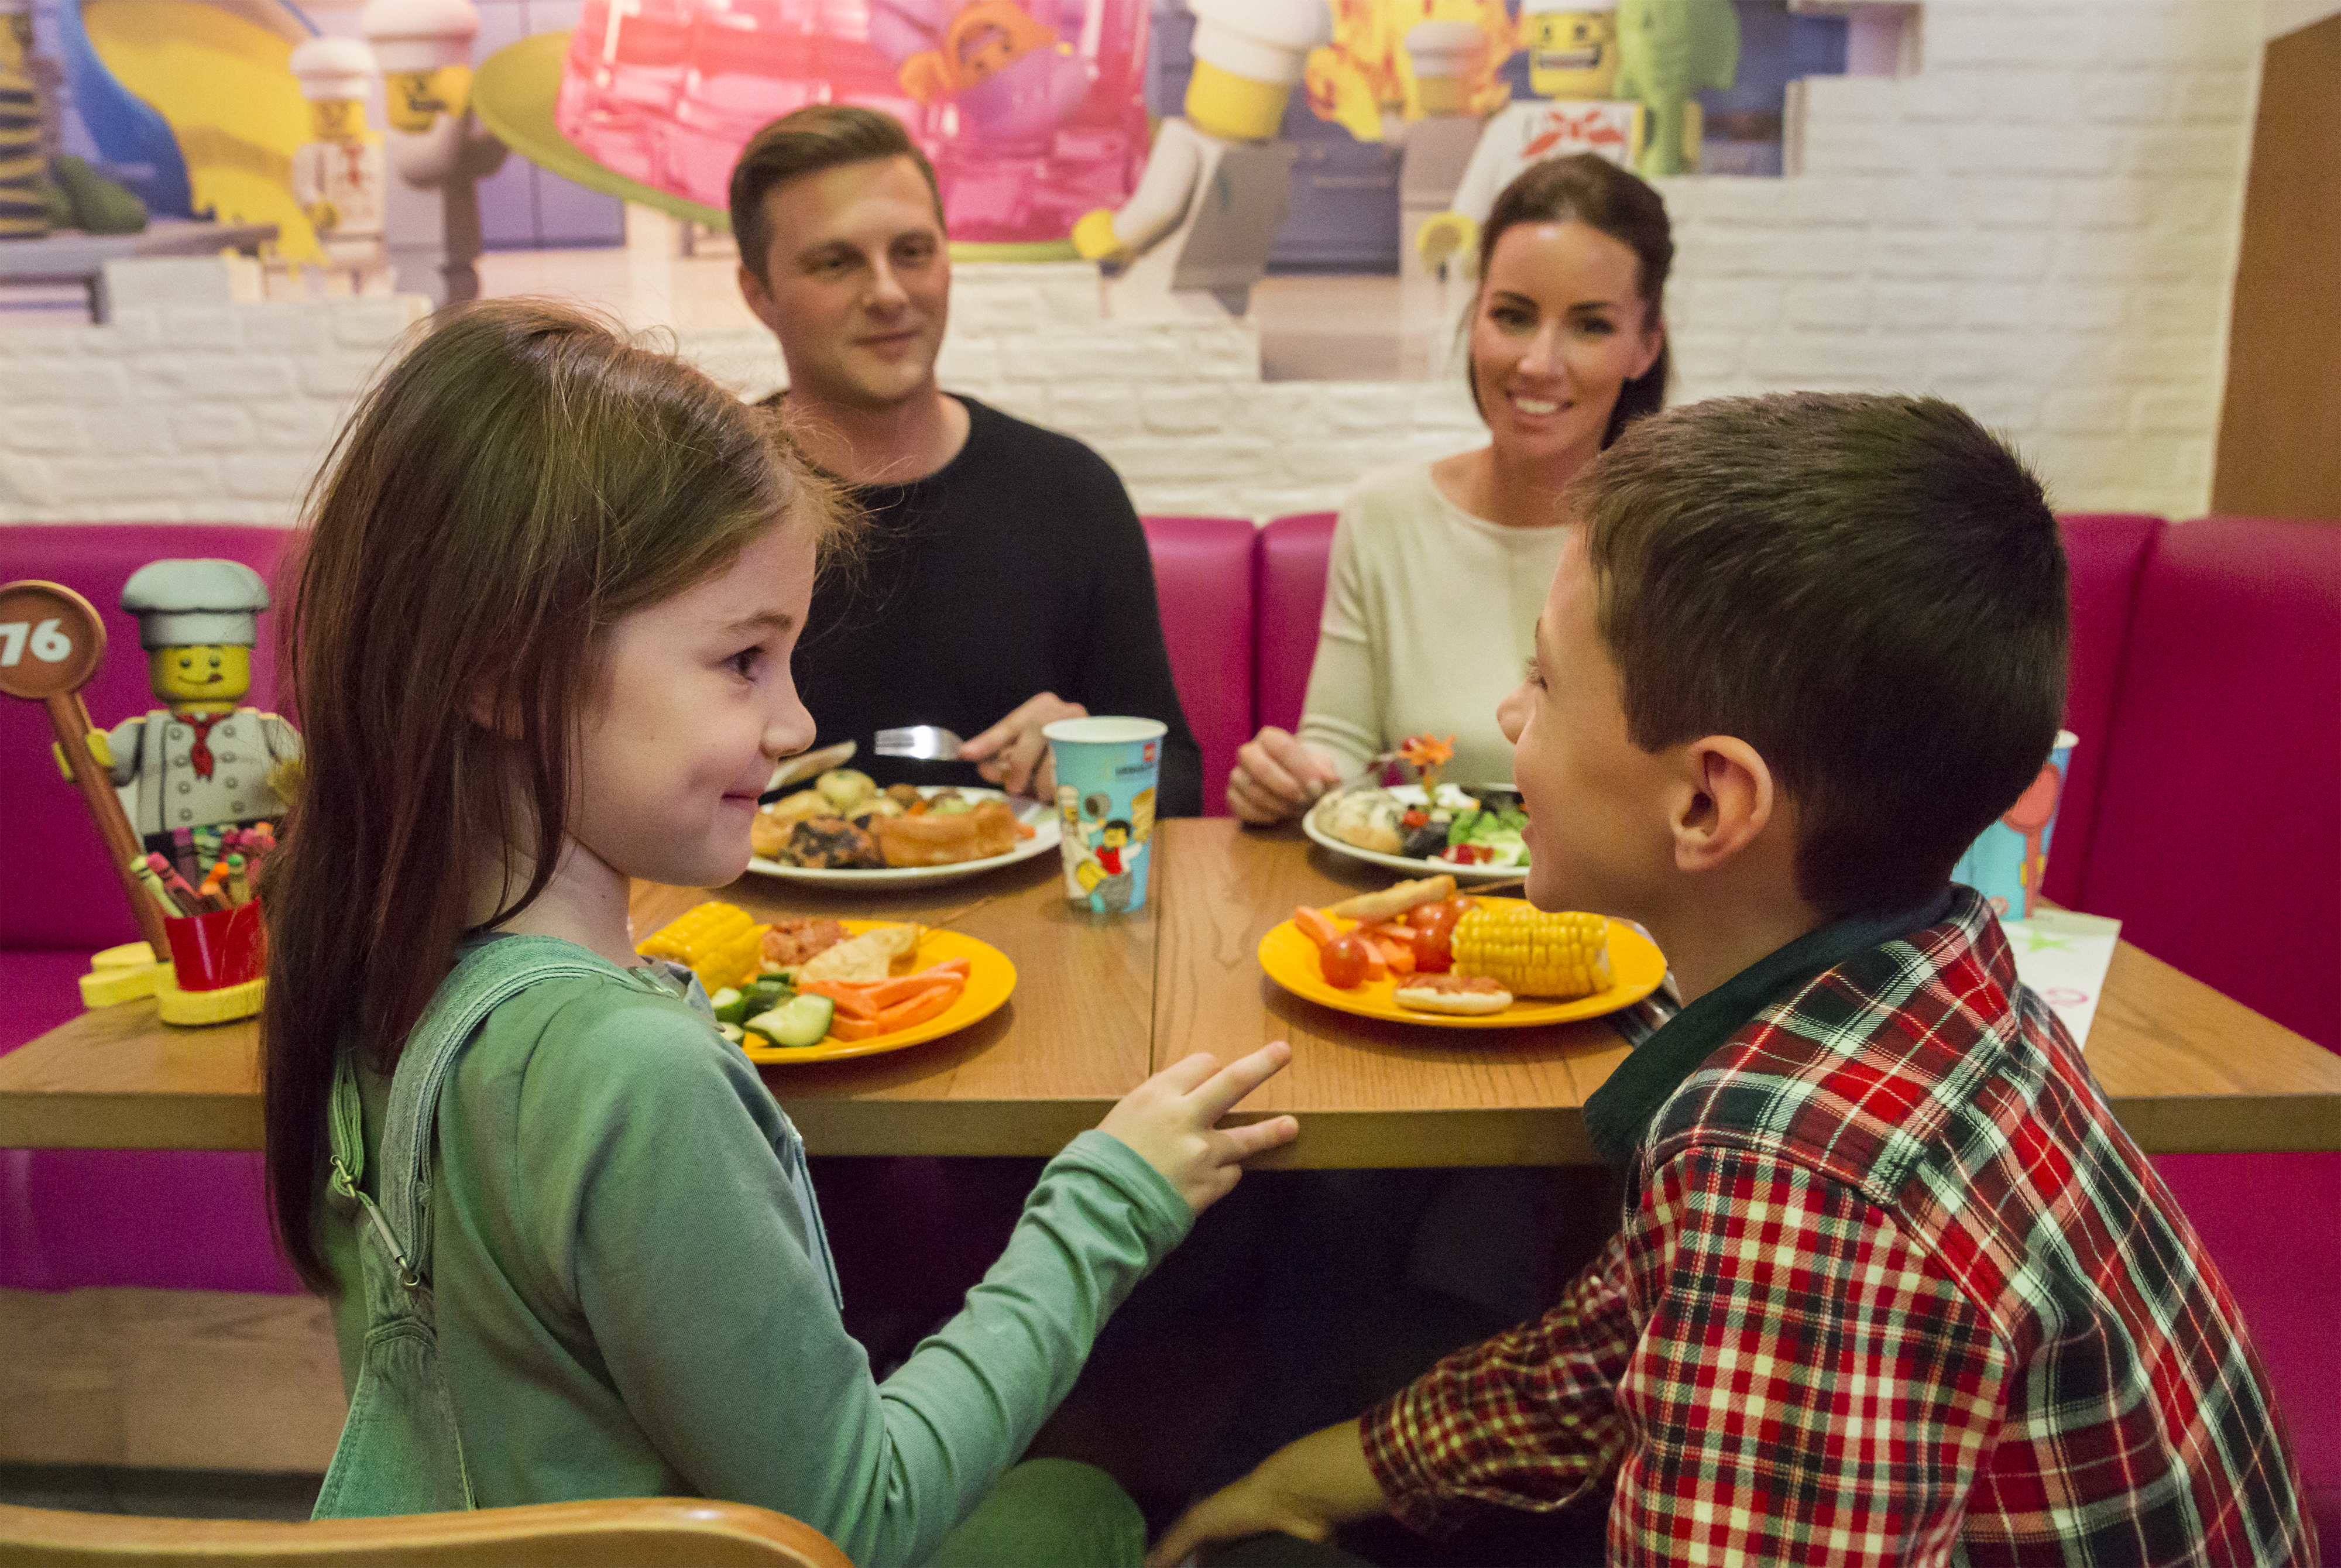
1004	581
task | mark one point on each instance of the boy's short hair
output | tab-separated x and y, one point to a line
1869	590
805	142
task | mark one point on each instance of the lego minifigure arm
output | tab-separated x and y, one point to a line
1173	169
119	756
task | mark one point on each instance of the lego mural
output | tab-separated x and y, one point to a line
1188	148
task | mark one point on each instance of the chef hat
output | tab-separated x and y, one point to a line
331	68
1265	41
181	603
420	35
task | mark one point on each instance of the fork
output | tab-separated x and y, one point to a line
919	743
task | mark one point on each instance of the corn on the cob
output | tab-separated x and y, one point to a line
717	942
1532	952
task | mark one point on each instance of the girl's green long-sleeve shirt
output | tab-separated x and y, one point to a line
631	1300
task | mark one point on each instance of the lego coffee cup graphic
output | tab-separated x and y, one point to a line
2008	860
1107	769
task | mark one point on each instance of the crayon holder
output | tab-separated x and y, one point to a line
218	964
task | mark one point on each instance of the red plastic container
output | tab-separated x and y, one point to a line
224	947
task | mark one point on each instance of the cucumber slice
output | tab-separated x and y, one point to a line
761	996
800	1022
734	1033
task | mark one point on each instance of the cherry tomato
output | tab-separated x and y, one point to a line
1415	818
1434	952
1342	961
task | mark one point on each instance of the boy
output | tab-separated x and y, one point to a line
1892	1284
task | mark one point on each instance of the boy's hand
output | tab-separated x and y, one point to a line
1172	1121
1305	1489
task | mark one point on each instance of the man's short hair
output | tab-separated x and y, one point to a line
805	142
1869	590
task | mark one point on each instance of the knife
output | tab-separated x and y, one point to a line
804	766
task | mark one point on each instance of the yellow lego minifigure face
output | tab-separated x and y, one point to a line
337	119
1232	107
200	672
1573	54
413	99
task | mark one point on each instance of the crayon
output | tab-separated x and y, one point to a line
152	883
239	890
176	885
183	853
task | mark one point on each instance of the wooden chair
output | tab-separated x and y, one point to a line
630	1532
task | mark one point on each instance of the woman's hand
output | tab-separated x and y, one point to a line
1277	777
1172	1121
1304	1489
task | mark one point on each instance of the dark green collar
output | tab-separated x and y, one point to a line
1618	1113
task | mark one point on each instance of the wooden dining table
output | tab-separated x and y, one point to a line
1102	1000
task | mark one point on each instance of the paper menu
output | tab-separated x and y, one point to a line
2064	957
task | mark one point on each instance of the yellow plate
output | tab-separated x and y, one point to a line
1635	962
991	978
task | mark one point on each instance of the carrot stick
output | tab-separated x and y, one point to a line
1316	925
917	1010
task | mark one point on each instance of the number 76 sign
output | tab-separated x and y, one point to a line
51	641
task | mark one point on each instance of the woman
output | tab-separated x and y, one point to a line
1437	568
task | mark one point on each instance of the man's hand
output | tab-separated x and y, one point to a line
1014	755
1304	1489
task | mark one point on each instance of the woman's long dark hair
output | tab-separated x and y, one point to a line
520	480
1585	188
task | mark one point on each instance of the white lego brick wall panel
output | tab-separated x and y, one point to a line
194	401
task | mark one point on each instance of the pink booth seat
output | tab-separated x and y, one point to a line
2105	553
1290	565
1203	580
69	1218
2217	843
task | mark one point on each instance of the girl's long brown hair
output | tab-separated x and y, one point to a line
518	481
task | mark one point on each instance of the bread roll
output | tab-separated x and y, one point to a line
1452	993
947	838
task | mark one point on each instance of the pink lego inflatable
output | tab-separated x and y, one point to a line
1032	110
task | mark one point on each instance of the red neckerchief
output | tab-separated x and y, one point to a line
202	756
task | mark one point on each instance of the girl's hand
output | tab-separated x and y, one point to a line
1170	1120
1278	777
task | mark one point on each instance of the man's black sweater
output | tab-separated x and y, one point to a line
1018	568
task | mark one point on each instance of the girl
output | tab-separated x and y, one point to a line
542	639
1437	568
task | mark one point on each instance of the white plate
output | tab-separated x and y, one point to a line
1412	795
1035	814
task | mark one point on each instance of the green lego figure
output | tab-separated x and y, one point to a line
1667	51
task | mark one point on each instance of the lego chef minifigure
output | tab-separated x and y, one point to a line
435	141
338	177
199	761
1206	211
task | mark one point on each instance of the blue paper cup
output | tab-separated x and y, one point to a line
1107	769
2006	862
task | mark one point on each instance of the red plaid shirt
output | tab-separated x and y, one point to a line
1893	1286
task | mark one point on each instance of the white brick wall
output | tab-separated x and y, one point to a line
194	403
2042	224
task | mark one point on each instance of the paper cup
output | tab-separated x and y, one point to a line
2006	862
1107	769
